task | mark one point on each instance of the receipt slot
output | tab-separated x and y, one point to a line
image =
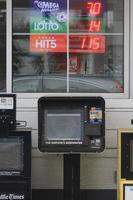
125	164
71	125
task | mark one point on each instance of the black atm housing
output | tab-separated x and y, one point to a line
71	124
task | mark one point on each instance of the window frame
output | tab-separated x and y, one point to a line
5	75
9	77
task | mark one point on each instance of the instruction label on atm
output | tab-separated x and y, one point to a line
6	103
128	192
95	115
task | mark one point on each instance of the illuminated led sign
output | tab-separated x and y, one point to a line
50	32
87	44
87	16
94	26
94	8
56	24
96	12
48	43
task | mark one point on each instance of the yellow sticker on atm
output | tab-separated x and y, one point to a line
95	115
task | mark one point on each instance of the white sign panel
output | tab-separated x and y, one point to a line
129	192
6	103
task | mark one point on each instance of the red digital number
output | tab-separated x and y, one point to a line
95	26
95	43
87	44
91	43
95	8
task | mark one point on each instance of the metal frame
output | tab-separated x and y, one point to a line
121	181
131	49
124	95
9	46
123	184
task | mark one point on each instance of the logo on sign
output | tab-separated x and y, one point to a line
11	196
56	24
46	42
46	6
47	26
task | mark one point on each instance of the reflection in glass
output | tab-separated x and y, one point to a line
99	72
35	72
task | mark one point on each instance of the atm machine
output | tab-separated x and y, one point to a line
125	164
71	125
15	153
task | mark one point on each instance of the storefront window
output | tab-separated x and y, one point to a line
2	46
71	46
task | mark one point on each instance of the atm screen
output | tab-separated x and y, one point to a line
63	126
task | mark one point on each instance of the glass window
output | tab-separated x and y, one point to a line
11	154
2	46
71	46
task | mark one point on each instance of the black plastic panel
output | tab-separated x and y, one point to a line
7	113
71	124
15	190
104	194
127	155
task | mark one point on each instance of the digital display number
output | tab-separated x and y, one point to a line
94	8
95	26
87	44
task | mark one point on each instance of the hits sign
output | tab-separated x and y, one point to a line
48	43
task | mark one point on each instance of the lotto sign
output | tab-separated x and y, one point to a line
49	6
48	25
48	43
